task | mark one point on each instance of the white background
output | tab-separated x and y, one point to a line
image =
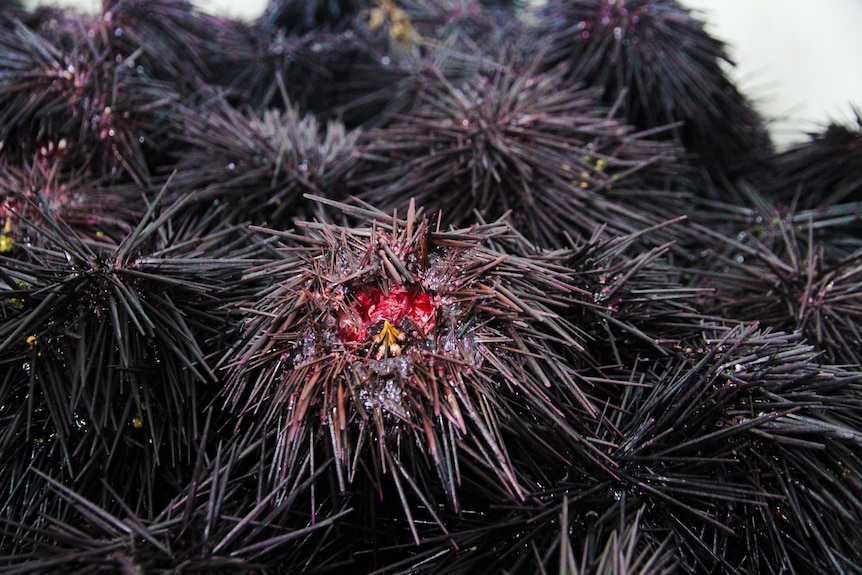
797	59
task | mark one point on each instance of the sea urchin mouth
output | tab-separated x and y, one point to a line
393	309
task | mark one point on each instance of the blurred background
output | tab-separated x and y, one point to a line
796	59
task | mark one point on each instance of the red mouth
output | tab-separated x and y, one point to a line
372	305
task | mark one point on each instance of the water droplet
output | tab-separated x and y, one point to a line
118	32
618	33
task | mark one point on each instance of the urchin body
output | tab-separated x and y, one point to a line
516	141
406	339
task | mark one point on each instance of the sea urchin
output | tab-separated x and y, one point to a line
422	343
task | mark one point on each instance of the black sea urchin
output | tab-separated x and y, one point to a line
790	271
638	304
104	350
741	454
465	23
659	59
518	141
86	205
558	374
11	10
415	344
175	42
299	17
67	92
824	171
357	65
303	51
735	449
214	525
295	69
731	455
555	538
257	167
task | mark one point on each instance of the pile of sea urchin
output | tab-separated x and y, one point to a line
418	286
